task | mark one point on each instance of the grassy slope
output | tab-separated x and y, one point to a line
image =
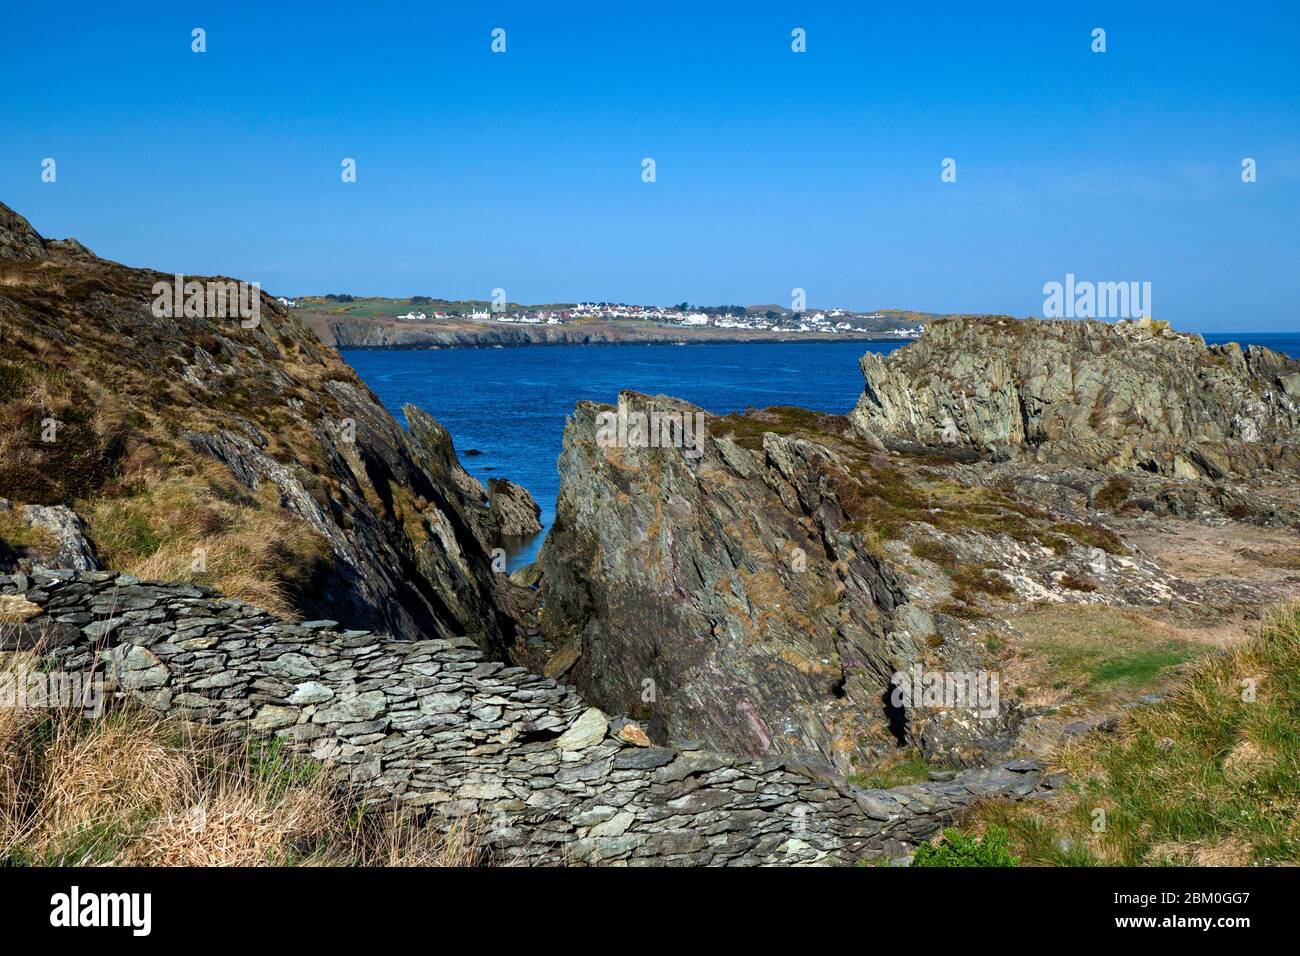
80	346
1211	776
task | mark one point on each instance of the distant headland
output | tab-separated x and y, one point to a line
348	321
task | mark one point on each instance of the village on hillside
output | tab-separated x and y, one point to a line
903	325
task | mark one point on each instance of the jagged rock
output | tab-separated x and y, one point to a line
1111	397
18	240
68	248
718	596
775	588
390	534
514	511
433	448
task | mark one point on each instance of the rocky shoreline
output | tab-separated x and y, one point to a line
769	582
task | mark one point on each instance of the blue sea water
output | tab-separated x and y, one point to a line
1288	343
510	404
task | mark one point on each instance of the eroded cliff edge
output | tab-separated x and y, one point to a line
243	454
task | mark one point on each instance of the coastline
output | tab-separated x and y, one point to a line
417	347
371	334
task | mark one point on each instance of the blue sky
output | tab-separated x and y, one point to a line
774	170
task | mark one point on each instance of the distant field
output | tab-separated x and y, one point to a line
378	307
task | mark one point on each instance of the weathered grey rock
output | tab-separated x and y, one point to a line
18	240
272	717
362	707
310	692
72	548
513	509
1112	397
726	582
587	731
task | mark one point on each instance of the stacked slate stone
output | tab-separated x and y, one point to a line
434	727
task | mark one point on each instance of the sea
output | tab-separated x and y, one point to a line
506	407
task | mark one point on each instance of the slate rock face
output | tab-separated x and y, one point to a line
720	597
763	590
435	729
1133	395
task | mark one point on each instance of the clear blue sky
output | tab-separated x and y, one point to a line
775	169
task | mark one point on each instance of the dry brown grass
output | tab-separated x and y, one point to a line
233	826
128	789
17	533
16	725
121	770
405	843
204	528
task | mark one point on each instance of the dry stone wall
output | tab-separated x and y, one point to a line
435	727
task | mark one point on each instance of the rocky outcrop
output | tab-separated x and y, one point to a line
514	511
766	589
726	593
254	417
18	240
504	510
1133	395
434	728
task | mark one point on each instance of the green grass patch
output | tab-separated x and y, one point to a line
909	770
1088	646
1210	777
